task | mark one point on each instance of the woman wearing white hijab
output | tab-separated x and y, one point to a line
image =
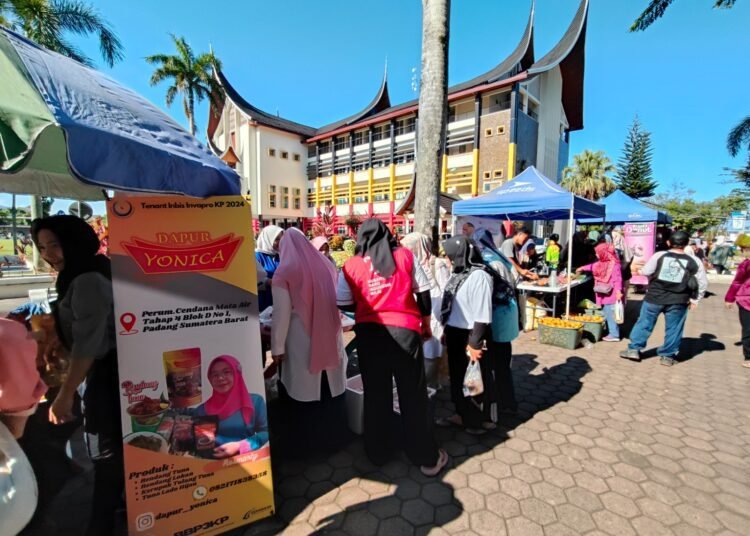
267	255
421	246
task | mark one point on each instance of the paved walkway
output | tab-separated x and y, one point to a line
602	446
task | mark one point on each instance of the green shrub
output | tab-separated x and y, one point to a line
349	246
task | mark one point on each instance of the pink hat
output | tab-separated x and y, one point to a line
319	241
20	384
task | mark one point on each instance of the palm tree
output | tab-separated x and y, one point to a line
48	22
588	176
739	136
657	8
433	108
192	77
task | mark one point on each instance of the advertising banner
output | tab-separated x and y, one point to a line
192	396
641	239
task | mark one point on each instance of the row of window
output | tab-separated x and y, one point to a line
295	199
284	155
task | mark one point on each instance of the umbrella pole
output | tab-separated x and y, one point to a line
571	222
14	226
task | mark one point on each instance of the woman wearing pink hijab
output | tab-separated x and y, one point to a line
306	341
321	244
607	285
21	388
243	426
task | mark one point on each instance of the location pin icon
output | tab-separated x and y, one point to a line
128	321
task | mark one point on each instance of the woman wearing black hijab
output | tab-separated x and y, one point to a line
390	295
467	316
84	315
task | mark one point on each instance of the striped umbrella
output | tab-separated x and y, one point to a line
67	130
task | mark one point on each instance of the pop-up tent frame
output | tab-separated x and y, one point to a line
532	196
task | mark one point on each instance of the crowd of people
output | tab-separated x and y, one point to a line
411	306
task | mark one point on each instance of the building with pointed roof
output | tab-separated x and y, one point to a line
517	114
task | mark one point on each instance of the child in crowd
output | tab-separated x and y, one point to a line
607	285
739	292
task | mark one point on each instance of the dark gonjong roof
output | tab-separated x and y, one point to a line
519	60
569	54
381	102
258	115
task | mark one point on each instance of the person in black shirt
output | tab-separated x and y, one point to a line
677	282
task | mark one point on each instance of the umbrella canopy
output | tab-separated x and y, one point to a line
529	196
70	131
622	208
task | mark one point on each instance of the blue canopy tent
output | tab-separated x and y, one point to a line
621	208
67	130
532	196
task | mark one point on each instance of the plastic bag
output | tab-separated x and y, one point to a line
619	312
473	384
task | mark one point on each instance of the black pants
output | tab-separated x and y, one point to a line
386	353
109	485
497	377
309	428
745	323
470	409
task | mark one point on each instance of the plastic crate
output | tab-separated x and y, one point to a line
568	338
592	330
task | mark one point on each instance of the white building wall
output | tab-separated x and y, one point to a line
280	172
550	116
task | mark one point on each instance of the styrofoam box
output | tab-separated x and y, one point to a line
355	400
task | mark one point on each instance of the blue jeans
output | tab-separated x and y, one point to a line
612	326
674	318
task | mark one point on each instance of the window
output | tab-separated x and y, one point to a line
285	155
495	102
271	196
342	143
360	138
271	152
311	151
501	129
296	157
488	132
533	110
405	126
297	199
497	174
342	230
325	147
486	174
487	185
285	197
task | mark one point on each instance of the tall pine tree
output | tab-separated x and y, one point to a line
634	175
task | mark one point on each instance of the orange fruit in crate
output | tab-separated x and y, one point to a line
560	323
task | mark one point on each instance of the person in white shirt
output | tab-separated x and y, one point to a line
420	245
307	343
466	314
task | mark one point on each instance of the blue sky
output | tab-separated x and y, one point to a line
316	62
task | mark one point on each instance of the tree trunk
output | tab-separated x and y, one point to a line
433	111
191	113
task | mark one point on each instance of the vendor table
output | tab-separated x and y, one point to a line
527	287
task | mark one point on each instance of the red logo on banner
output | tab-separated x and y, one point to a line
183	252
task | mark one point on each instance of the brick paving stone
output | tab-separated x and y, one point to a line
584	498
538	511
575	518
395	526
362	523
503	505
548	493
697	517
418	512
487	523
613	524
520	526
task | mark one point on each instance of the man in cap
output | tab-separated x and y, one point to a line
677	282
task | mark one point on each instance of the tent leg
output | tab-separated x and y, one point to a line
571	223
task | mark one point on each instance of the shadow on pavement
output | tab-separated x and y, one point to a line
402	499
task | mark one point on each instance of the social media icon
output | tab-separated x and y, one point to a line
144	522
199	493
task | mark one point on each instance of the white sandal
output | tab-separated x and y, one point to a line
441	463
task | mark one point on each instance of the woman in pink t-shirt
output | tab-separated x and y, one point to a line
739	292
